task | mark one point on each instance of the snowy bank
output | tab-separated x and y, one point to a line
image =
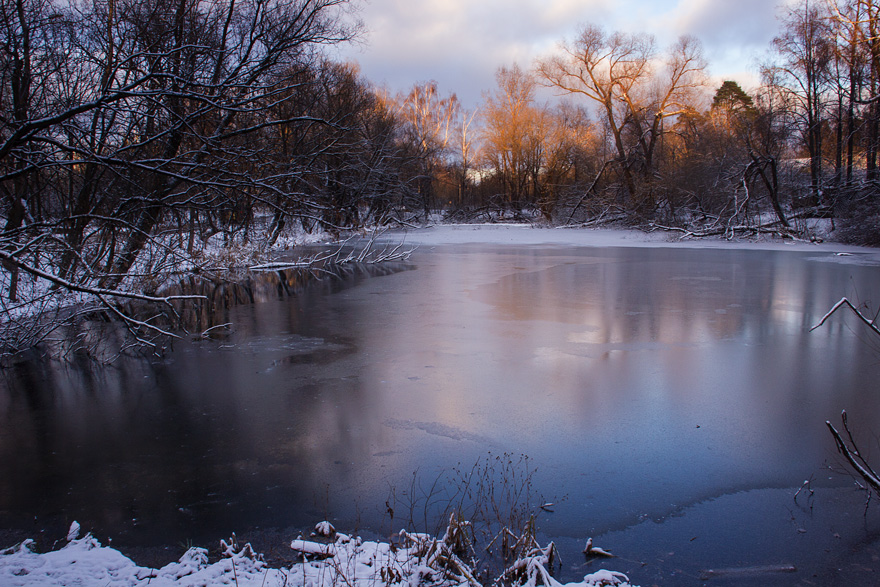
346	561
527	234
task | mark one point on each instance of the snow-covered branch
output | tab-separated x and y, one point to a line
844	302
95	291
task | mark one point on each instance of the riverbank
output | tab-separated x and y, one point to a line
329	559
528	234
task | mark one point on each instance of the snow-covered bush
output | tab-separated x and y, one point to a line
417	560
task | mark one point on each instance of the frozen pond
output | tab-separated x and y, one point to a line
671	400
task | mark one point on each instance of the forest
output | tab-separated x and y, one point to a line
139	136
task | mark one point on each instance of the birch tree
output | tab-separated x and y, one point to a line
514	135
429	125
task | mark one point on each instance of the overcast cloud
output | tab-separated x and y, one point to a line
461	43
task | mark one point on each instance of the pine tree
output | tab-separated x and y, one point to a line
732	98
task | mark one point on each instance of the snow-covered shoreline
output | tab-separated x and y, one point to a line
343	561
527	234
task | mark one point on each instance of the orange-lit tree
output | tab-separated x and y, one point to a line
637	89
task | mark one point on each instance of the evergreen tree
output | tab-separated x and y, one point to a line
732	98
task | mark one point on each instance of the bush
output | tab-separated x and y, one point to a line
859	220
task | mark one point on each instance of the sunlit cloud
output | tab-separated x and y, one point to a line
461	43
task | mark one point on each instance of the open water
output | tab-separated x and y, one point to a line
669	401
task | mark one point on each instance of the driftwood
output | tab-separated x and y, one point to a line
730	232
591	550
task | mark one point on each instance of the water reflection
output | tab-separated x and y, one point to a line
145	449
691	372
638	381
222	294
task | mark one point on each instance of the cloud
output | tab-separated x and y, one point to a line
735	34
745	22
461	43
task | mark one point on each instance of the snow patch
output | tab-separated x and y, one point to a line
73	533
419	559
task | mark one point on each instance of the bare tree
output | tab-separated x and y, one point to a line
120	116
466	151
430	124
571	152
806	49
636	91
513	135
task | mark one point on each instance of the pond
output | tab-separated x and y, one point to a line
669	400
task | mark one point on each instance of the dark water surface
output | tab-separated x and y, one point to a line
670	400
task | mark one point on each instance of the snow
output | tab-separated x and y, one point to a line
324	529
350	562
526	234
314	548
604	577
73	533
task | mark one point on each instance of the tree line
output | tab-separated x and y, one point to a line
641	136
133	133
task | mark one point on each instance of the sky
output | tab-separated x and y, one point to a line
460	44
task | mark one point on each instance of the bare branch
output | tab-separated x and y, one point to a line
95	291
844	302
853	456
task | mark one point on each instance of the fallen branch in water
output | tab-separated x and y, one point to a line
98	292
591	550
367	255
844	302
730	232
853	456
850	451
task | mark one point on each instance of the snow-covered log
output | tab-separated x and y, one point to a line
591	550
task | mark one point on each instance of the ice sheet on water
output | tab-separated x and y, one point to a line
438	429
291	348
847	258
